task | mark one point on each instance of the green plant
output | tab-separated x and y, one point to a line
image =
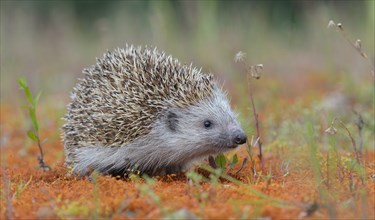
146	190
195	180
21	186
246	189
251	154
311	139
223	161
71	210
197	191
34	133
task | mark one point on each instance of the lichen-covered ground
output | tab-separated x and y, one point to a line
307	173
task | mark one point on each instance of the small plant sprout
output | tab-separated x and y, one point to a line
233	162
251	154
195	181
284	168
254	71
21	186
221	161
357	45
34	133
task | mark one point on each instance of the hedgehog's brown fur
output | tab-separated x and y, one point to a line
154	81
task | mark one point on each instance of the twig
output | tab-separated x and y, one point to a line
328	171
359	122
332	130
357	45
260	155
42	164
357	157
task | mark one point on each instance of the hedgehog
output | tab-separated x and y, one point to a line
138	109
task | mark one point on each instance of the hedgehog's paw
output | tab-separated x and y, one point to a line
171	169
174	169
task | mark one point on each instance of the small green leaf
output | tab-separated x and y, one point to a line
26	89
32	135
22	83
33	119
234	159
221	161
36	100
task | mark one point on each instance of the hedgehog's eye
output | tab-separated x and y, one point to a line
207	124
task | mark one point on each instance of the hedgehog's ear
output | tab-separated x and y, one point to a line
172	121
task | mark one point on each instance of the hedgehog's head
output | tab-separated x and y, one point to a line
208	127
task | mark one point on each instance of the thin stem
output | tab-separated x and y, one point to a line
250	152
360	123
352	140
42	164
40	148
256	124
328	170
6	182
358	49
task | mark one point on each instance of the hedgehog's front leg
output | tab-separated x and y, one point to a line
172	169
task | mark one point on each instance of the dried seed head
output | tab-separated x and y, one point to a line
331	130
331	24
339	25
256	71
240	56
358	45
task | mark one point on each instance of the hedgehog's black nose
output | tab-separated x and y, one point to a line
240	138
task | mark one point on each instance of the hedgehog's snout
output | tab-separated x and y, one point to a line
239	137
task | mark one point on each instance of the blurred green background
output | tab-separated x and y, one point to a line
50	42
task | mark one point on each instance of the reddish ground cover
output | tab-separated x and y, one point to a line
27	192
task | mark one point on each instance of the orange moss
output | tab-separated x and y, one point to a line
57	194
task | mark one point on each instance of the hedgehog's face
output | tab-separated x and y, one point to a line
209	127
